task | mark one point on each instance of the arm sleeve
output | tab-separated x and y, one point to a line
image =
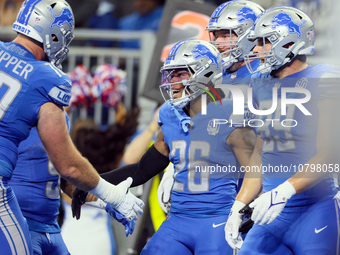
151	164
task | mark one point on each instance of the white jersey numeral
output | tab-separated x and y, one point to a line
10	88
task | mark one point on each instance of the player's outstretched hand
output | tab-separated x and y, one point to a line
119	197
231	229
129	205
270	204
164	189
78	199
129	225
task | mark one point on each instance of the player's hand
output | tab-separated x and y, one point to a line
247	223
164	189
231	229
119	197
129	225
270	204
126	203
78	199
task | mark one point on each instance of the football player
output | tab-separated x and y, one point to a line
35	183
32	93
298	212
202	151
228	28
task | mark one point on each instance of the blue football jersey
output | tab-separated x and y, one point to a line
205	166
242	79
25	85
289	141
35	182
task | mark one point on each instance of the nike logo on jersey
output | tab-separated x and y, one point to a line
217	225
319	230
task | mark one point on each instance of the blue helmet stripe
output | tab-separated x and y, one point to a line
26	12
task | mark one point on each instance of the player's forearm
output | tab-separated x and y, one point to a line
68	189
151	164
252	182
81	174
309	175
250	189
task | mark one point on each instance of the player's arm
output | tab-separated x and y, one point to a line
70	164
252	182
327	150
251	186
154	161
247	149
270	204
53	131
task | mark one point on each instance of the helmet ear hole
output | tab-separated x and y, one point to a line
288	45
54	38
209	74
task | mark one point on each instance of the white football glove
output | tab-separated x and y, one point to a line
164	189
270	204
120	198
232	236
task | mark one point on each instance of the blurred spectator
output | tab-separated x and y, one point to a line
82	10
8	11
147	16
104	18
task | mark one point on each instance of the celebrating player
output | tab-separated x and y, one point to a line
33	93
202	151
228	28
298	212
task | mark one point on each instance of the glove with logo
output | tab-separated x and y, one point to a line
270	204
164	189
129	225
231	230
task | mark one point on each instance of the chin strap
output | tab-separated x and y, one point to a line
184	121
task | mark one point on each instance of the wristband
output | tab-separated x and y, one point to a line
237	206
288	189
103	190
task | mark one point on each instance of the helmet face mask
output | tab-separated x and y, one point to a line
200	64
49	22
290	33
236	17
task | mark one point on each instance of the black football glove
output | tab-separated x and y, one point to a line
247	223
78	199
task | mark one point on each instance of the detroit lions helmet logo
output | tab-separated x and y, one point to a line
284	19
246	13
65	16
203	51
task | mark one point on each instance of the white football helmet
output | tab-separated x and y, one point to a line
49	22
290	32
203	62
238	17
